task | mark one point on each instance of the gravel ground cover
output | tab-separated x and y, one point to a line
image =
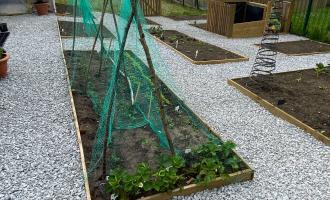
39	154
289	163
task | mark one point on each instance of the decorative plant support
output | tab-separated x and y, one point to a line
265	61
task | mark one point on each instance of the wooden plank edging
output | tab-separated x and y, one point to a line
236	177
75	119
240	176
280	113
207	61
302	54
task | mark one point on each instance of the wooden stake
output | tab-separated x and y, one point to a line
154	78
105	3
112	92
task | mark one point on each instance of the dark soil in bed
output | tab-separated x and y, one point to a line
188	46
150	22
66	30
181	18
302	47
201	26
129	146
300	93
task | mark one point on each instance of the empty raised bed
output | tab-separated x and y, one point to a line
300	97
194	50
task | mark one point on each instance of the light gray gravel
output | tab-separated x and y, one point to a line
288	163
39	155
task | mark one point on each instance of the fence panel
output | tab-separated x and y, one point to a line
311	18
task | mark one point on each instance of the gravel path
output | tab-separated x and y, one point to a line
39	155
288	163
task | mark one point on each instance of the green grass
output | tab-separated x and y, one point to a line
318	26
175	9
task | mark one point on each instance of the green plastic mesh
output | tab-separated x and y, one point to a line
133	121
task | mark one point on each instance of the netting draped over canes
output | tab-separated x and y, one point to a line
134	102
122	90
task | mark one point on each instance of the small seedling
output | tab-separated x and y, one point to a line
321	69
196	53
172	38
298	79
323	87
158	31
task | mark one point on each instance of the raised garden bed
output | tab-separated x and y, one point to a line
301	47
201	26
142	145
300	97
66	30
187	47
150	22
182	18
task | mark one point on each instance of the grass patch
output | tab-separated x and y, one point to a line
175	9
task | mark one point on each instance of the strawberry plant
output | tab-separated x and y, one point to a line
201	165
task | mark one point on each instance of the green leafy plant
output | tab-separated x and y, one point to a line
145	179
275	24
172	38
206	162
213	160
321	69
2	53
157	30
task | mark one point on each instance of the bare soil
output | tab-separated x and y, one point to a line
66	29
301	47
188	46
201	26
302	94
181	18
129	147
150	22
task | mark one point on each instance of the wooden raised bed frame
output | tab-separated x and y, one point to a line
279	112
207	61
240	176
221	18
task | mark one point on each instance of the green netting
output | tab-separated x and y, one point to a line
119	83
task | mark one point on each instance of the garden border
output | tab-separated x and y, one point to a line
279	112
236	177
303	54
75	120
207	61
240	176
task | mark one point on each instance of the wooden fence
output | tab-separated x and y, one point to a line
151	7
311	18
220	17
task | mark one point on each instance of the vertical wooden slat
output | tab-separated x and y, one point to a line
151	7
